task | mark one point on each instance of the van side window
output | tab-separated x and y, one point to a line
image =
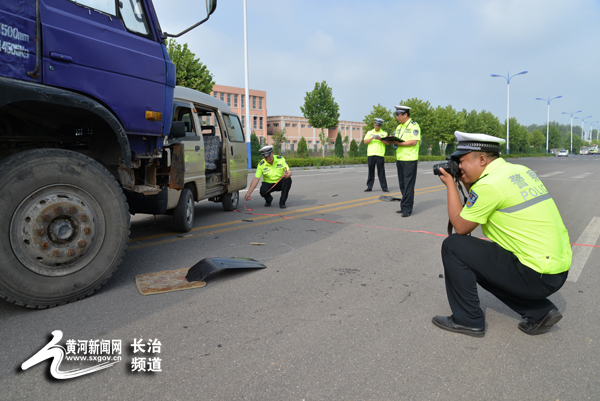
234	129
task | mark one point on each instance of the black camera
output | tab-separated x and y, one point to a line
451	167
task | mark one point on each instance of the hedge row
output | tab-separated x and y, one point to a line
337	161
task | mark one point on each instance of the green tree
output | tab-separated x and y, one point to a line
492	125
320	109
446	122
362	149
435	149
191	73
278	139
338	150
538	139
519	136
474	123
346	141
555	139
254	149
353	152
302	148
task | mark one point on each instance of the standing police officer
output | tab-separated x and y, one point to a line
529	255
407	157
375	155
277	176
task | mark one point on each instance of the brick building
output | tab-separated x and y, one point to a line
297	127
236	99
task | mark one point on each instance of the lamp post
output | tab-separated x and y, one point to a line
582	121
548	119
508	77
571	114
247	94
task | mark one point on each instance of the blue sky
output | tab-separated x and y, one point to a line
373	52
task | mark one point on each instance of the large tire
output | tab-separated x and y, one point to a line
65	227
183	215
230	201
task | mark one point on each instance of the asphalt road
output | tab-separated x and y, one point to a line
342	311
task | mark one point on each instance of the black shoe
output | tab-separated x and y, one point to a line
367	190
542	325
406	214
267	204
282	206
399	211
386	190
447	323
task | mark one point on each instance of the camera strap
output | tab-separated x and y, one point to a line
450	227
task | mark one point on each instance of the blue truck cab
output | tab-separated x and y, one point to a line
86	122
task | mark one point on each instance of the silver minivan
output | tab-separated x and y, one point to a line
216	160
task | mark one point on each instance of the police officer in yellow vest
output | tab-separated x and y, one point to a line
276	174
529	255
375	155
407	157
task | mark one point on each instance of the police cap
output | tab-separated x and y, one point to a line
266	150
379	122
401	109
476	142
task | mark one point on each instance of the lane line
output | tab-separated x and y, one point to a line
581	254
550	174
580	176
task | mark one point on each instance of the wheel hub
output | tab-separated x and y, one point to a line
53	231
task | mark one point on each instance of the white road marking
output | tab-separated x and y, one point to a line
550	174
582	253
580	176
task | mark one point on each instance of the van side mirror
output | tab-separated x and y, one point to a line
177	129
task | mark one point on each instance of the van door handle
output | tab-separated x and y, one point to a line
232	151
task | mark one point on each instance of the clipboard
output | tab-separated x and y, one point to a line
392	139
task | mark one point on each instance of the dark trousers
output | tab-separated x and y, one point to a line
283	185
469	261
407	177
378	161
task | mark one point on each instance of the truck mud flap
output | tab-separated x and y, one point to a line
207	266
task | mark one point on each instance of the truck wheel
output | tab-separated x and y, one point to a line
230	201
66	227
183	215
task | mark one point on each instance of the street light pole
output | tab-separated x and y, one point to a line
582	121
548	119
247	94
571	113
508	78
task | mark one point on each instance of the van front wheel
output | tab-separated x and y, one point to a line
230	201
183	215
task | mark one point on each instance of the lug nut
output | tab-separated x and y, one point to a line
39	231
87	230
72	209
45	245
58	209
83	217
70	252
81	243
46	217
56	252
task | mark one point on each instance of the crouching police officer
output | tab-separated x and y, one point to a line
276	174
529	254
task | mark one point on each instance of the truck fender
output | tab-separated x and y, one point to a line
13	90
